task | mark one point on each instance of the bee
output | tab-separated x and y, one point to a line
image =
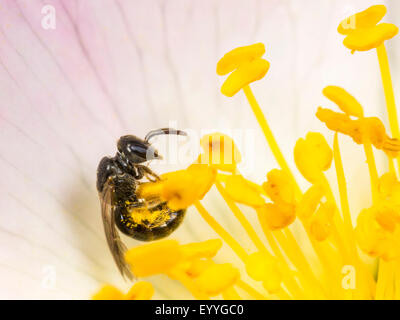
118	178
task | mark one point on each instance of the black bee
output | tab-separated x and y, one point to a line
117	180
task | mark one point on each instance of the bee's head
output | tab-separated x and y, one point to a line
136	150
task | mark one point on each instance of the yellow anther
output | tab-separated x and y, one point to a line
368	234
389	188
362	20
197	267
203	178
241	191
217	278
339	122
244	75
108	292
363	33
321	222
366	39
236	57
204	249
373	239
154	258
261	267
370	130
276	216
220	152
181	188
391	147
141	290
387	217
345	101
374	130
310	201
279	187
273	283
312	156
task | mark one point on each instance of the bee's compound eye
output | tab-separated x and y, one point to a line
136	149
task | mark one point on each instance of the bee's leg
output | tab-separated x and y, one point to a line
147	172
137	173
145	204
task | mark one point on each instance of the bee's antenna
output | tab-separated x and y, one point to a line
161	131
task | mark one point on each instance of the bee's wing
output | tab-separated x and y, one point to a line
114	241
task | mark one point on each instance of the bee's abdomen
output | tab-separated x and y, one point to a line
148	231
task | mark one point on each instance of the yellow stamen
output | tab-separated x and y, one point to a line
217	278
238	189
262	121
237	57
154	258
220	152
250	290
367	39
141	290
346	102
344	201
373	172
279	187
383	277
276	217
236	247
180	188
108	292
312	156
362	20
389	94
244	75
231	294
188	283
204	249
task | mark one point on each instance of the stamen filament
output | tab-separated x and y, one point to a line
388	88
397	280
250	290
291	249
389	94
389	292
262	121
337	231
231	294
348	227
392	168
344	201
382	279
236	247
373	172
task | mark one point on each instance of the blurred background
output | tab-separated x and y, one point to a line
110	68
